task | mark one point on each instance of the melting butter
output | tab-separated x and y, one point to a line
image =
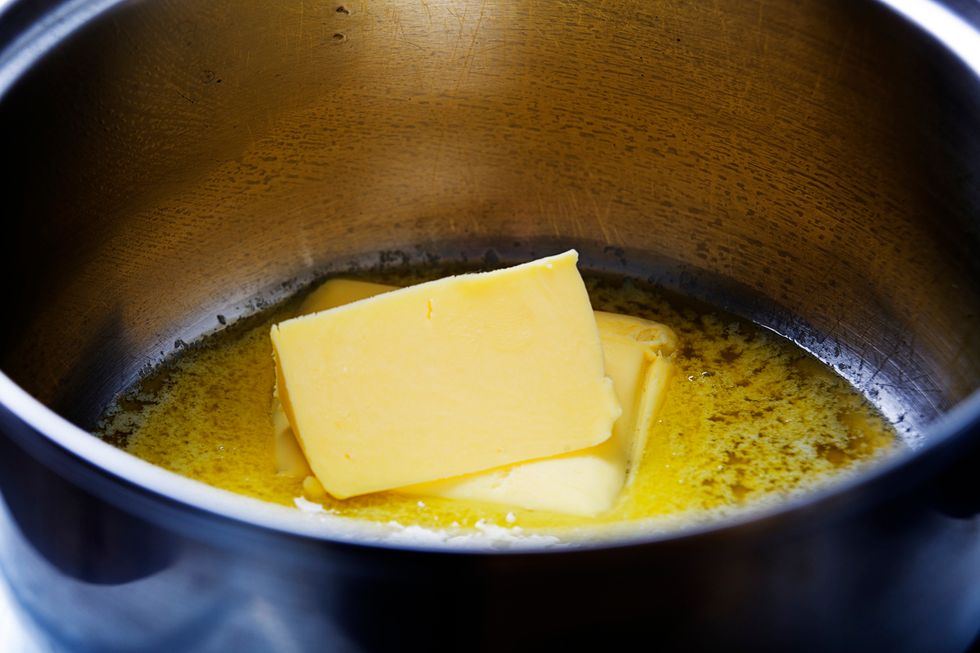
748	417
586	482
448	377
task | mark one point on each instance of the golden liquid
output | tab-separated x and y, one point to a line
749	417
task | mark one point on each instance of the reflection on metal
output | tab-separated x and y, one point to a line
952	31
811	165
14	634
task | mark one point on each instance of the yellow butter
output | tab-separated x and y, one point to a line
290	459
337	292
446	378
585	482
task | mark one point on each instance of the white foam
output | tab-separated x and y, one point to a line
483	535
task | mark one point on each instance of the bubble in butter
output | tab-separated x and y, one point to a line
748	419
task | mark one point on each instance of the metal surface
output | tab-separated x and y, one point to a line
812	166
14	635
819	155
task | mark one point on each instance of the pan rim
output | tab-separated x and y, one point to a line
944	438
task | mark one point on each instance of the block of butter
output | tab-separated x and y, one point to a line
446	378
585	482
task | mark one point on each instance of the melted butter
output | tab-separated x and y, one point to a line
748	417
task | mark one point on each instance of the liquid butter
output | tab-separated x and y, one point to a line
749	418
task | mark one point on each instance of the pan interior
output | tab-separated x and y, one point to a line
810	168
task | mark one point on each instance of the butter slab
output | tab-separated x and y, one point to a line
586	483
446	378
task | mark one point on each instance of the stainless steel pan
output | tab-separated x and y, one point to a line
813	166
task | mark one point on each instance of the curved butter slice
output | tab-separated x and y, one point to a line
445	378
586	482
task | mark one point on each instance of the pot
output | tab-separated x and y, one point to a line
811	166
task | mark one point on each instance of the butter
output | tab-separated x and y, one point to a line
637	354
446	378
290	459
587	482
337	292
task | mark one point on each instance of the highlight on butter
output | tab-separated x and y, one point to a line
587	482
446	378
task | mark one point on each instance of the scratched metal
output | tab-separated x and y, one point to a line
179	160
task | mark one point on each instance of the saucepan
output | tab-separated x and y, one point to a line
813	166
